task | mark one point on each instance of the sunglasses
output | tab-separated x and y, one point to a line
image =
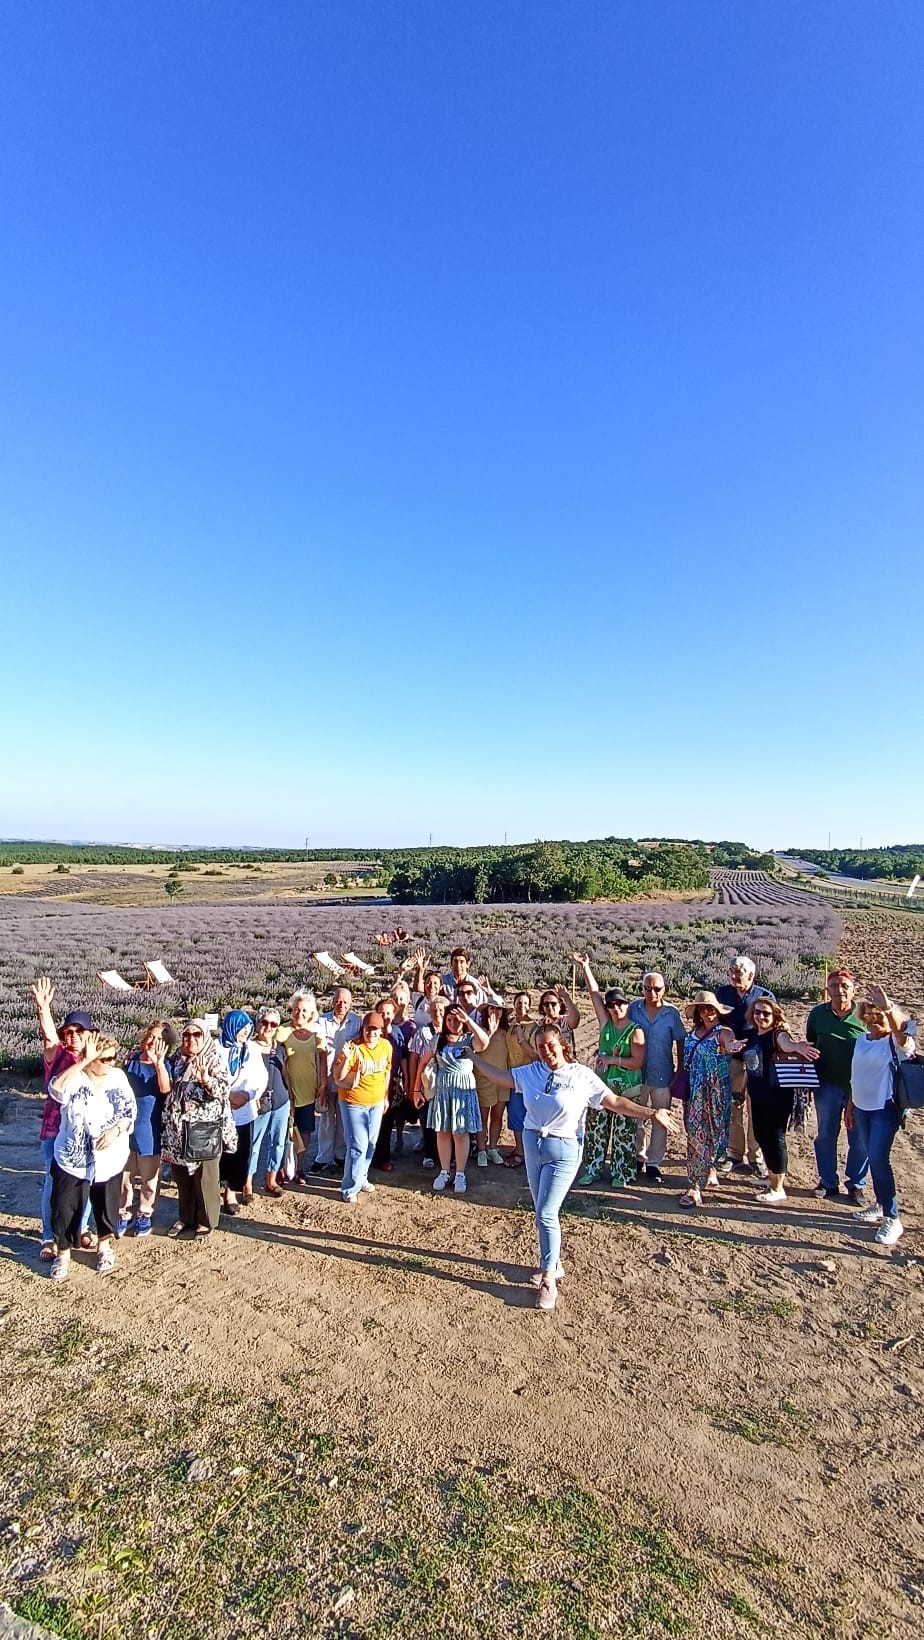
194	1036
109	1060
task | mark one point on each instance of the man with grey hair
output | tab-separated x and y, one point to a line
664	1035
339	1024
742	1151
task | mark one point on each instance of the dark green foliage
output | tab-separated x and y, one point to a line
899	862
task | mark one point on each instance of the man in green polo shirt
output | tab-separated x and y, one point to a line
833	1027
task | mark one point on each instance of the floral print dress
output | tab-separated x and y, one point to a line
706	1111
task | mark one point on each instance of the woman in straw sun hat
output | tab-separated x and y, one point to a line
706	1048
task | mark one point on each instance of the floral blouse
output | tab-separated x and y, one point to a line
207	1103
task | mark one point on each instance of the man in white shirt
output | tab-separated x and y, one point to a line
339	1024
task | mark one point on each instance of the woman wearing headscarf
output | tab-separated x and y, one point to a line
196	1125
249	1079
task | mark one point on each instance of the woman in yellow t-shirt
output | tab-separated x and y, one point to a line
362	1071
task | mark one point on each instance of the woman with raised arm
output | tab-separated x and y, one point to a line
491	1099
768	1039
147	1075
619	1062
873	1107
197	1125
454	1113
706	1049
556	1093
61	1049
91	1149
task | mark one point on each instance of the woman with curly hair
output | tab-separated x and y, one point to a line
197	1125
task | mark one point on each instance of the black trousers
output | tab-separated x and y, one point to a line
771	1113
235	1164
69	1197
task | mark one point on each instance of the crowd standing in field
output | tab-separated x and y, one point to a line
332	1093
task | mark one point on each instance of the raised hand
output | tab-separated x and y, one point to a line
157	1050
90	1048
876	995
43	991
581	958
562	992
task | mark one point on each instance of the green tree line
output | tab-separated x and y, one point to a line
898	862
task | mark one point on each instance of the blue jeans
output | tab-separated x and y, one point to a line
551	1167
47	1150
877	1129
273	1126
361	1125
830	1104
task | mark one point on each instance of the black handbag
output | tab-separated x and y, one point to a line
907	1081
201	1140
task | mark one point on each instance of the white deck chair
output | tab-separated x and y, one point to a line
211	1021
157	974
325	960
114	980
355	964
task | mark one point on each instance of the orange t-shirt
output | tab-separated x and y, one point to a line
374	1072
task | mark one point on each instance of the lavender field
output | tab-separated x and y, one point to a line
257	953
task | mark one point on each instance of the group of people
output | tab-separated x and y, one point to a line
332	1092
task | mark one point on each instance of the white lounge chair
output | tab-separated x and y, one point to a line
355	964
156	974
325	960
114	980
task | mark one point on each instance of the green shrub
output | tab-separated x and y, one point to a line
18	871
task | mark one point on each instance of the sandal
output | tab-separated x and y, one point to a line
48	1252
514	1161
246	1198
690	1199
177	1229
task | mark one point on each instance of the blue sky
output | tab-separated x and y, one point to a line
423	419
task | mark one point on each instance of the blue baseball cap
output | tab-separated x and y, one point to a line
81	1022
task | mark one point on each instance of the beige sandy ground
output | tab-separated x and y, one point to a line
755	1378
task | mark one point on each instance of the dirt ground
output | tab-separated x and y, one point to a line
753	1378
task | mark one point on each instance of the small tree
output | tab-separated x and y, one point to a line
172	887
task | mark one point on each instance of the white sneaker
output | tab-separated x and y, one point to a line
428	1163
495	1156
889	1232
773	1196
105	1259
461	1184
367	1189
869	1215
482	1158
60	1267
441	1181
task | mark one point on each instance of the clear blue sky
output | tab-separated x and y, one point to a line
471	419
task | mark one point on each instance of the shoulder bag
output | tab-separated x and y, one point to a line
907	1081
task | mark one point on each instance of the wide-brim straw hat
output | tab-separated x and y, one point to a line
705	999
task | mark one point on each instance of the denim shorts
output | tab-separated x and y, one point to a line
303	1117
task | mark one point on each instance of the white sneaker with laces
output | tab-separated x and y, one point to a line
495	1156
772	1196
482	1158
889	1232
869	1215
461	1185
441	1181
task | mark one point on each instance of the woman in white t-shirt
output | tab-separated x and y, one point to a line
872	1109
556	1092
91	1150
249	1080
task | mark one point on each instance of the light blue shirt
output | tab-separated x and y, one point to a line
661	1033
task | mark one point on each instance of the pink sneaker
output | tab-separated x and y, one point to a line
547	1294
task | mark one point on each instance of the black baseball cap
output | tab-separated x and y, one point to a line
614	994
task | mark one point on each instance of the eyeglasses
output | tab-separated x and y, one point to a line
265	1021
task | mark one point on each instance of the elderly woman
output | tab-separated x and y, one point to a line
91	1149
873	1109
556	1092
362	1072
772	1106
620	1061
141	1068
271	1127
197	1124
249	1079
305	1050
707	1048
